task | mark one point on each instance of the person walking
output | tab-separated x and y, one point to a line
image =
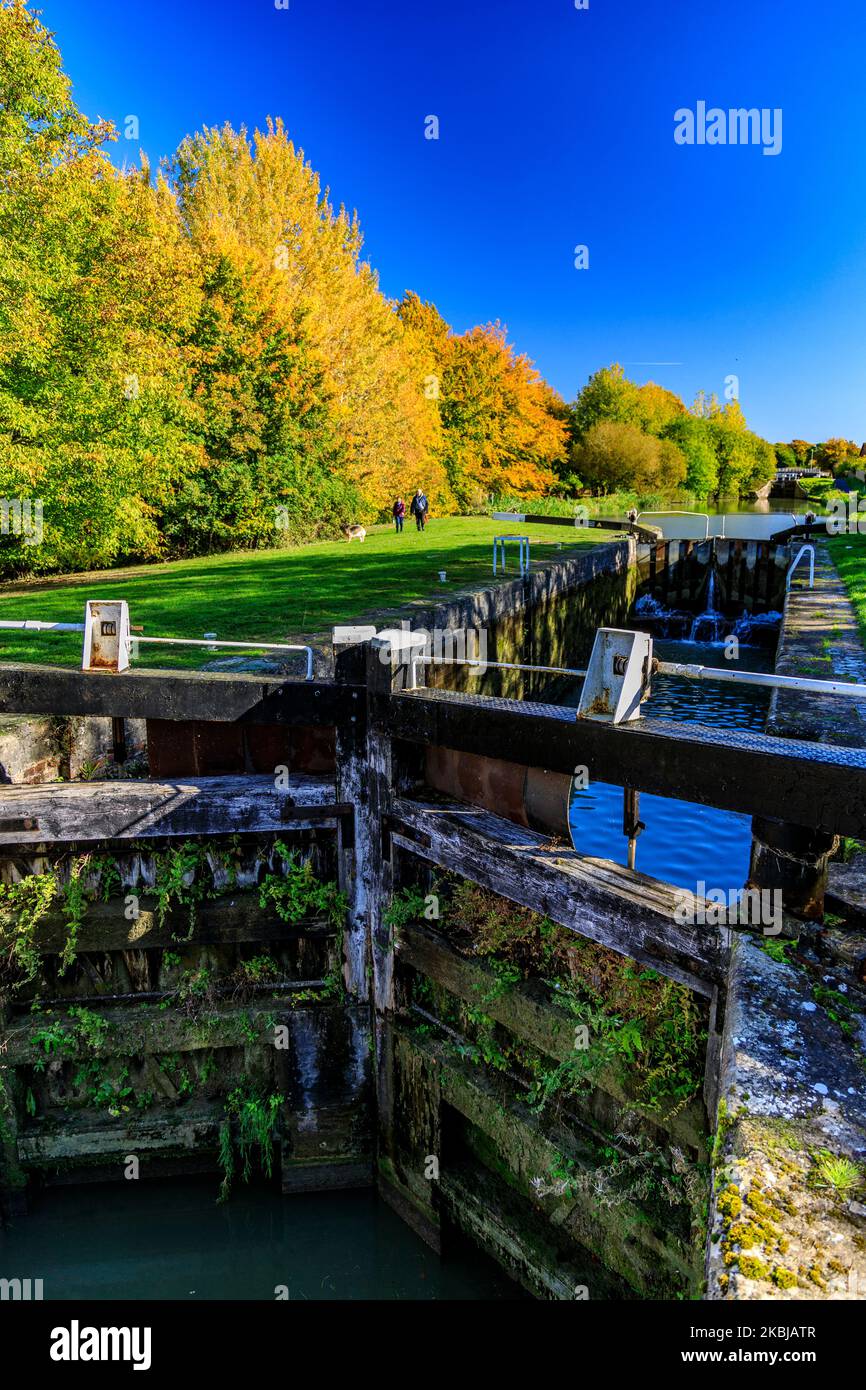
399	513
419	508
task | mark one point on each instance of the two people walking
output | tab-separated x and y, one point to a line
418	507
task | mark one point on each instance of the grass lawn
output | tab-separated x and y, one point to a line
849	557
273	595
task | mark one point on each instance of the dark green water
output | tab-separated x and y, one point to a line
171	1241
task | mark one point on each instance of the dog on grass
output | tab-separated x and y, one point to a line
354	533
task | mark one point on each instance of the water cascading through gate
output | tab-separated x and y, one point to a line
706	626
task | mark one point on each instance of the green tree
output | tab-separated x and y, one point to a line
608	395
96	290
270	465
692	436
614	456
745	460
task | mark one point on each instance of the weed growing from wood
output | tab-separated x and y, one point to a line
22	907
647	1027
70	885
250	1117
296	893
180	881
406	906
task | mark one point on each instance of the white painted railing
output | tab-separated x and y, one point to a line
804	550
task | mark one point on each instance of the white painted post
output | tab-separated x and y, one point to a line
106	635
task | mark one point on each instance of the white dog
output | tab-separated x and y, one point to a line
354	533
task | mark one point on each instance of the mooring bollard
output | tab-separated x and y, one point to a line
795	860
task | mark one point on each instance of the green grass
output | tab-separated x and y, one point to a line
274	595
849	557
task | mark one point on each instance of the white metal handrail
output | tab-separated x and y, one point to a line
766	678
804	550
524	549
211	643
685	670
31	625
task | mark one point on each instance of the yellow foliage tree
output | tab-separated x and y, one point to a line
259	199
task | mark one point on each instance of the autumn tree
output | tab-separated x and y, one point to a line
836	453
257	202
613	456
504	428
658	409
802	450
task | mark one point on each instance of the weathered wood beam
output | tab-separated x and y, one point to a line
230	921
91	811
520	1240
138	1030
627	912
816	785
191	1128
356	866
63	690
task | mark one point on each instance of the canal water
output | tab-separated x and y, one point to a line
748	521
170	1240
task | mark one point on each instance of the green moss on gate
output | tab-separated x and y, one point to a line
12	1175
589	1156
184	877
625	1017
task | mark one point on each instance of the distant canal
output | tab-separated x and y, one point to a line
751	521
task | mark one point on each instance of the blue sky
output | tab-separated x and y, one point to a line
555	129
